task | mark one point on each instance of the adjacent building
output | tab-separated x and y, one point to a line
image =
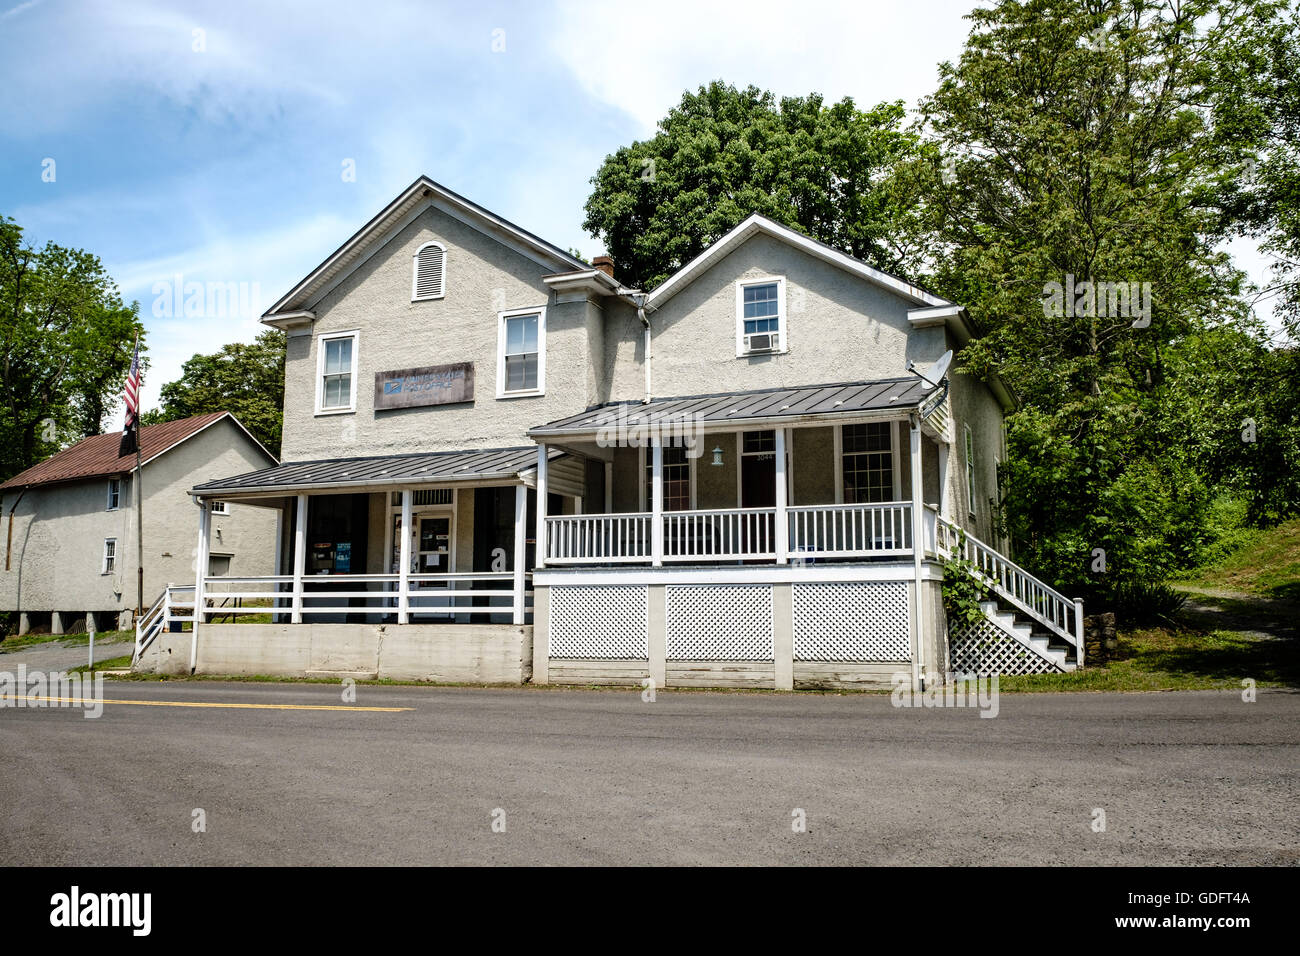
71	523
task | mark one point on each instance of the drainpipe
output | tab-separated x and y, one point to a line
9	546
640	298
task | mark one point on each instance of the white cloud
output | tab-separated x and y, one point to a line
640	59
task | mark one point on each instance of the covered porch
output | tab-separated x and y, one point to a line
438	538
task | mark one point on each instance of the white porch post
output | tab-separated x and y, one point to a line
782	526
539	549
299	557
404	561
521	532
200	579
918	544
656	502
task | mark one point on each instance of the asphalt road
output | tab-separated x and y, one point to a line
604	778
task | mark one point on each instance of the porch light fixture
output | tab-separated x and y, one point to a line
717	456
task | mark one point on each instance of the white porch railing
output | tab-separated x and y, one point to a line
606	539
435	595
848	531
720	535
1049	607
732	534
174	606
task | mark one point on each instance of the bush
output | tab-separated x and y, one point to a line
1145	604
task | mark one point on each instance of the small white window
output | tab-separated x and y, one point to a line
521	359
110	555
336	373
114	493
970	469
429	272
760	316
219	507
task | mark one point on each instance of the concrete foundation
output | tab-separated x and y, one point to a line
443	653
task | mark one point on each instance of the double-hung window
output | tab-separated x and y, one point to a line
521	362
114	493
110	555
337	373
868	462
760	316
677	478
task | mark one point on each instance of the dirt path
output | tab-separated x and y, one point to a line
1253	614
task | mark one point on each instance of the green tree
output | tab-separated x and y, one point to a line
246	379
1079	140
723	153
65	347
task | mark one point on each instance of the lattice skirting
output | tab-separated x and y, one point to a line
598	623
984	648
719	623
851	621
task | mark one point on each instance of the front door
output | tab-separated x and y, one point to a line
431	554
758	489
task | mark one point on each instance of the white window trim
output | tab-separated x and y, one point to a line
782	319
540	312
224	510
355	336
415	273
968	452
110	506
103	561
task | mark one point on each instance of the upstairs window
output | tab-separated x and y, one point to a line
337	373
521	366
868	462
429	272
114	493
219	508
760	316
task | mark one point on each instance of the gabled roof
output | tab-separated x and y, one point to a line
840	401
372	471
757	224
421	194
97	457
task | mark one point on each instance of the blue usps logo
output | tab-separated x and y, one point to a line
393	387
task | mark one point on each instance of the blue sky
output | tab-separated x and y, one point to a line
208	140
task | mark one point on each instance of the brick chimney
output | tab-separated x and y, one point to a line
605	264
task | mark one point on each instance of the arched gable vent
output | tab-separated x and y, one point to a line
430	272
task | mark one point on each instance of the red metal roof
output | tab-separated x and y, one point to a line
97	456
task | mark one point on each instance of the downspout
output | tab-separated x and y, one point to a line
645	324
9	545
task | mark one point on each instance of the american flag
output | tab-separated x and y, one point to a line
131	396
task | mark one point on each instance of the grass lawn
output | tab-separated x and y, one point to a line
1269	565
111	664
1180	658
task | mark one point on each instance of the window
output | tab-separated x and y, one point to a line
677	478
337	372
760	310
970	469
429	272
218	564
110	555
867	461
219	507
114	493
521	364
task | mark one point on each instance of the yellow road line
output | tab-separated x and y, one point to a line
196	703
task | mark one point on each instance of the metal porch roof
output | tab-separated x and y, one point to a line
844	399
343	473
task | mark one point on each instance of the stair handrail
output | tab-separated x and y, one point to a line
1059	614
